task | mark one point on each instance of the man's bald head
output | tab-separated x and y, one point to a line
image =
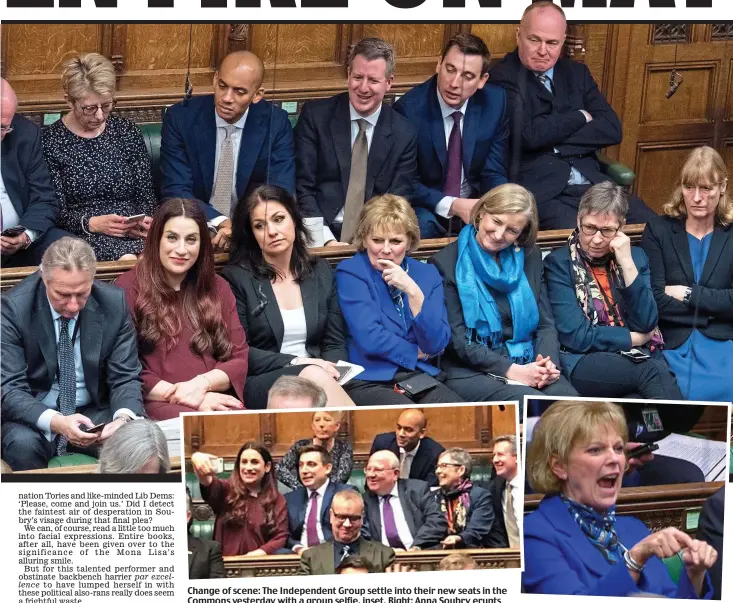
238	84
8	105
410	430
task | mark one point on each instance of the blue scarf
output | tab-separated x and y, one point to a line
476	270
599	528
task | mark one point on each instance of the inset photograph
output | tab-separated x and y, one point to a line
625	498
368	490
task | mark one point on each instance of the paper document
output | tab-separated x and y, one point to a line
171	429
709	455
348	371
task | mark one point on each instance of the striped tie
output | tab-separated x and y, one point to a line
67	380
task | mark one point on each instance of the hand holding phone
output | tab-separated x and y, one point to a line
642	450
13	231
135	218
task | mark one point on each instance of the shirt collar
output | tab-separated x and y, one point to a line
321	491
395	492
55	315
549	73
220	123
372	119
412	452
446	109
515	482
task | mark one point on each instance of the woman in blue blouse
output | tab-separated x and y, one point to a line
393	305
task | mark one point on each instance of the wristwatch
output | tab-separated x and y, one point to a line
686	297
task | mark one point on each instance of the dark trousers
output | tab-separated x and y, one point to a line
433	226
24	447
372	393
562	211
611	375
32	256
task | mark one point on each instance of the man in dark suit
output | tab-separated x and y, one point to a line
352	147
217	148
204	556
462	136
418	453
401	512
308	507
506	494
347	509
559	120
69	360
710	529
28	203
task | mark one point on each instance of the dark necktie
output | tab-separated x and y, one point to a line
311	524
357	183
452	185
390	526
67	380
546	82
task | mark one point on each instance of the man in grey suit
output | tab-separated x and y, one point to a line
401	513
346	516
69	360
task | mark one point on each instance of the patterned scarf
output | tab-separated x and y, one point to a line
599	528
454	504
598	308
476	271
398	297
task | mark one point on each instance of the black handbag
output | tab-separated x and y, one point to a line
417	385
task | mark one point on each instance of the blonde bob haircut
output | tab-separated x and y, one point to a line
704	166
336	415
564	425
90	72
387	213
509	199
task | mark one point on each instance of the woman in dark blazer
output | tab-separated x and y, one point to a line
503	339
604	308
286	300
690	251
393	306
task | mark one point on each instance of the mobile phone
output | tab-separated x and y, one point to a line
635	355
13	231
218	464
94	429
136	218
642	450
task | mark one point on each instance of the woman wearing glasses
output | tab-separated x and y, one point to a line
690	251
603	304
99	164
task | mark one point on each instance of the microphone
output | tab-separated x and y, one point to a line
675	81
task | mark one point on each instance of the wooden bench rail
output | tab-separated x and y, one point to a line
287	565
109	271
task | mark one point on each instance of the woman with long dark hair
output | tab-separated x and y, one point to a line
286	299
251	515
192	346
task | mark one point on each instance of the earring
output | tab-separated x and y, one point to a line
516	247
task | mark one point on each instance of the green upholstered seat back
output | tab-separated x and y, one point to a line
152	134
72	460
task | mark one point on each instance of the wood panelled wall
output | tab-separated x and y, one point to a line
631	63
469	427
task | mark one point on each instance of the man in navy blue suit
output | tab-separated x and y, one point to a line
417	452
308	518
219	147
462	136
28	202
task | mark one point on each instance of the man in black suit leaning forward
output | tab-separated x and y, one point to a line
506	494
352	147
204	556
346	515
560	119
417	452
69	360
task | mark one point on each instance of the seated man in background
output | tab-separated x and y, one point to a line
559	120
352	147
506	494
462	136
346	515
204	556
401	513
309	506
28	203
295	392
417	452
710	529
217	148
69	359
457	561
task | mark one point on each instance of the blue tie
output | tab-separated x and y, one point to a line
67	380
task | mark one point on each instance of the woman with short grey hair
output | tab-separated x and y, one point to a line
136	447
605	313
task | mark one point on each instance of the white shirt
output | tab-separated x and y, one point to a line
221	135
10	216
403	530
408	461
319	509
517	497
295	332
444	205
371	121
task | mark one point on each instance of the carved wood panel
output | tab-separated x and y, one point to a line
694	100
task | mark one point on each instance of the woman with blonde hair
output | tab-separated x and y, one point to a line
394	307
99	164
503	339
690	250
574	544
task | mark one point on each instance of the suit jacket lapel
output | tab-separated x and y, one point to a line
437	129
46	332
91	331
253	137
682	249
310	291
10	179
471	125
385	300
205	134
380	148
374	516
340	126
406	505
192	550
272	310
419	461
717	245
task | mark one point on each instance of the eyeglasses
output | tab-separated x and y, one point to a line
446	465
6	129
704	189
606	232
92	109
342	518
